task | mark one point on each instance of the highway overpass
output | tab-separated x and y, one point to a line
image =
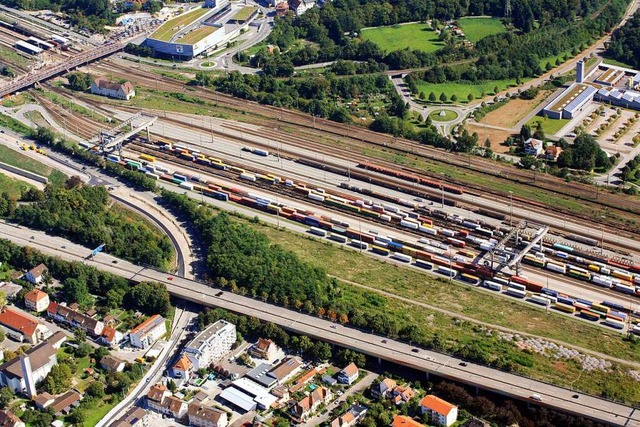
444	366
26	81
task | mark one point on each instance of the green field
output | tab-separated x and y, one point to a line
12	186
476	28
550	126
414	36
244	13
462	90
448	116
169	28
617	63
197	35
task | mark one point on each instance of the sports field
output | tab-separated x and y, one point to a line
172	26
476	28
415	36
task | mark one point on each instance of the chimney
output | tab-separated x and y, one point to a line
27	374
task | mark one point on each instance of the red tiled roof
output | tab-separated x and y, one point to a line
148	324
404	421
18	321
436	404
109	333
38	270
35	295
351	369
183	363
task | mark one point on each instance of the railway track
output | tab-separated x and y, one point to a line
355	135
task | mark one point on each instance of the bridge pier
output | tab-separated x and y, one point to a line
426	376
148	134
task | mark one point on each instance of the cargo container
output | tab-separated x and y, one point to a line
623	275
424	264
565	300
589	315
338	238
558	268
518	286
561	247
428	230
616	324
540	300
358	244
260	152
248	177
470	224
456	242
409	224
494	286
564	307
613	305
515	292
180	177
601	309
446	271
624	288
401	257
147	158
186	185
316	197
549	292
152	175
470	279
447	232
379	250
318	231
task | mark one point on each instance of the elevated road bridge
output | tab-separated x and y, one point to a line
26	81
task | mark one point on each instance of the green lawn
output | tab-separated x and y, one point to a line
617	63
17	159
447	117
197	35
244	13
12	186
550	126
169	28
414	36
552	59
462	90
476	28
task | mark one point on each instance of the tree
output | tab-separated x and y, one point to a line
525	132
80	81
77	417
422	96
76	290
59	379
3	299
454	98
150	298
96	389
321	351
6	396
83	350
496	90
470	97
443	97
79	335
432	97
527	162
171	385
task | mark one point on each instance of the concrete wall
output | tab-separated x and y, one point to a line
26	174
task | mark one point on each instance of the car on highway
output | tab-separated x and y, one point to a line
415	350
430	359
219	294
463	364
536	397
115	261
384	341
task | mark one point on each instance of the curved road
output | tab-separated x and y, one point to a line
394	351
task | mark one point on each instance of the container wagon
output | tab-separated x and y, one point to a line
589	315
449	272
564	307
616	324
186	185
470	279
515	292
424	264
338	238
318	231
540	300
380	250
147	158
248	177
401	257
358	244
494	286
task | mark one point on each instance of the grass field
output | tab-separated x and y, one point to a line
448	116
12	186
169	28
244	13
615	62
414	36
197	35
476	28
513	111
550	126
462	90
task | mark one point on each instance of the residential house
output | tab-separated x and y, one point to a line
134	417
210	345
44	400
402	394
9	419
349	374
533	147
183	368
173	406
302	381
351	417
10	289
36	300
383	389
404	421
22	373
286	370
147	332
282	9
440	412
202	416
104	87
308	404
282	393
112	364
22	327
66	402
35	274
300	6
156	395
111	337
264	349
329	380
68	315
552	153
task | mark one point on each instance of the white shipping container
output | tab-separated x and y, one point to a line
391	208
556	267
493	285
447	232
318	231
186	185
428	230
316	197
516	292
449	272
248	176
358	244
538	299
385	217
409	224
401	257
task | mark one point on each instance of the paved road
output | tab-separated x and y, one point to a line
394	351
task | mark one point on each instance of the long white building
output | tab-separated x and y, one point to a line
210	345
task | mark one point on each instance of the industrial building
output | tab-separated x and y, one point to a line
570	102
194	32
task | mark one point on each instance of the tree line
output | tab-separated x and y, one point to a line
625	42
85	215
91	14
